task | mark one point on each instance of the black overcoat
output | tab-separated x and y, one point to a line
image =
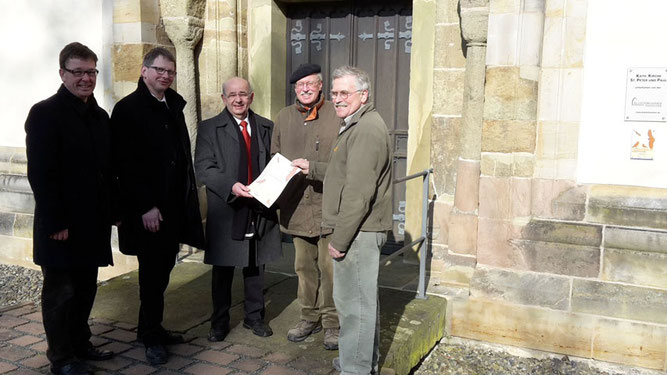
217	159
68	150
144	162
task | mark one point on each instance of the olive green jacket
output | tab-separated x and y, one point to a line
357	183
300	205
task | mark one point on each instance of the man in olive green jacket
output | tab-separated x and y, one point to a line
305	132
357	205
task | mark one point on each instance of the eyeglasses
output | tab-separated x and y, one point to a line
241	95
306	84
80	73
342	94
161	71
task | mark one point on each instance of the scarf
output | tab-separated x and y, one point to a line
311	112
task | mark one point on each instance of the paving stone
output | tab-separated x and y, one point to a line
20	311
6	335
25	340
139	369
280	358
36	316
103	321
136	353
36	362
249	365
8	321
126	326
40	346
121	335
247	351
177	363
202	341
98	329
25	371
116	347
98	341
280	370
6	367
215	356
31	328
204	369
113	364
14	353
311	367
184	349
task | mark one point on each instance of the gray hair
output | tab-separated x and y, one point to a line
362	79
224	85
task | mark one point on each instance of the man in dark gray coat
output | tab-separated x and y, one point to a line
67	144
232	150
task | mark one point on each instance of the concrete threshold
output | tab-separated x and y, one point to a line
409	327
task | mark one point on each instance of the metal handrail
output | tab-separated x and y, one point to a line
421	288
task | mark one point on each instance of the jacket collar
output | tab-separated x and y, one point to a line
79	105
368	107
174	100
228	119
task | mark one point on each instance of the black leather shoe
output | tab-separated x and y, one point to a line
74	368
156	355
215	335
258	327
94	354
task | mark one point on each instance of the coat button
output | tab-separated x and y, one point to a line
306	196
173	163
166	126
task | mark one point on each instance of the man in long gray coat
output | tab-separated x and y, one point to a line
232	150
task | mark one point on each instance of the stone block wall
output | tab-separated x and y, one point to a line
137	28
448	76
561	267
17	207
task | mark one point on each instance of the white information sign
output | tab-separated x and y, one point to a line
645	95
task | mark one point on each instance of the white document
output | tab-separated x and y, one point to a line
273	179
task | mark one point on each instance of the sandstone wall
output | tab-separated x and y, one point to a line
561	267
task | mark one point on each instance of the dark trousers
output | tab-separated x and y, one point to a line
155	266
68	294
221	290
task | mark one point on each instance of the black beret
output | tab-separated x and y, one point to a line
304	70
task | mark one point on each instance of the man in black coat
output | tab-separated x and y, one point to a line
158	197
232	150
67	144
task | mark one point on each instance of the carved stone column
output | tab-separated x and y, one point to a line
184	24
464	218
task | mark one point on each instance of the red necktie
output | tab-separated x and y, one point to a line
246	137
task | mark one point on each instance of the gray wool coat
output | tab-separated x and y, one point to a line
217	157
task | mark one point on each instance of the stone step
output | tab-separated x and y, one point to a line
16	194
557	258
563	232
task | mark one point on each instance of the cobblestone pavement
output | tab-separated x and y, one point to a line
23	346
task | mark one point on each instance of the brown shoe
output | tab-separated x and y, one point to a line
331	338
302	330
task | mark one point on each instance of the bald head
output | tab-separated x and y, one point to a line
237	96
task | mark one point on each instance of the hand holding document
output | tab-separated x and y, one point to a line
273	179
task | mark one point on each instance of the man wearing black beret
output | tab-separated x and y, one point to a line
305	132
